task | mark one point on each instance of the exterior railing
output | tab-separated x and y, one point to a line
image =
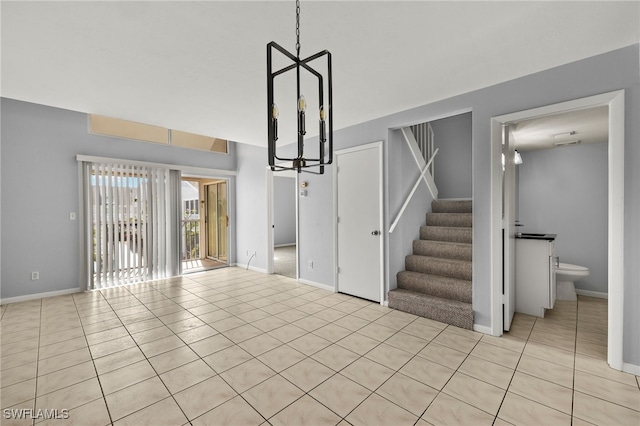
191	239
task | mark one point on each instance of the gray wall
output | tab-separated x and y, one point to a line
452	136
564	191
284	210
611	71
40	188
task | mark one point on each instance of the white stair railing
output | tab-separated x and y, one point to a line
415	186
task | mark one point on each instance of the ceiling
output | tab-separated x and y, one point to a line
201	66
586	126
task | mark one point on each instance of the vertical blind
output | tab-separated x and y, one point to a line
131	217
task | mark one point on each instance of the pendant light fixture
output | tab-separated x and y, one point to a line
324	114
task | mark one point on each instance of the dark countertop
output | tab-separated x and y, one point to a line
532	236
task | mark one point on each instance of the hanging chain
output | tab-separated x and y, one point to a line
298	28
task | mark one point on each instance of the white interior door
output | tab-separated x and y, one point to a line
359	221
508	229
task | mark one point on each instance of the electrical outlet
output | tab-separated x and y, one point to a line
72	216
311	264
35	275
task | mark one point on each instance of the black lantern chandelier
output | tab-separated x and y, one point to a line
324	154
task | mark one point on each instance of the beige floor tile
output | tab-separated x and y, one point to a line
258	345
521	411
99	325
138	327
592	350
105	336
377	331
332	332
65	377
377	411
561	342
227	324
204	396
165	412
496	354
21	346
287	333
427	372
60	336
542	391
69	359
272	395
21	358
600	368
227	358
59	348
141	395
309	344
307	374
268	323
475	392
340	394
487	371
409	394
160	346
185	325
152	335
195	334
71	396
598	411
112	346
211	345
335	357
247	375
446	410
234	412
424	331
443	355
330	314
126	376
281	358
550	353
92	414
118	360
291	315
367	373
358	343
505	342
18	393
389	356
351	322
455	341
242	333
214	316
305	411
546	370
609	390
187	375
18	374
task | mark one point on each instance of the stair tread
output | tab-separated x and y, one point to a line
428	296
436	285
443	259
458	281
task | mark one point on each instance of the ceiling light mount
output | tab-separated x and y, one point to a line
324	155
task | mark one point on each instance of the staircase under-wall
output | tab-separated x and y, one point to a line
437	281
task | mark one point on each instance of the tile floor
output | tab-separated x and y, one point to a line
232	346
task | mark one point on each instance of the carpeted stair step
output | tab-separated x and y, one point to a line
443	249
451	206
446	233
433	285
452	312
451	268
464	220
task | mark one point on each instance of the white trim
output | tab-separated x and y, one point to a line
615	102
186	170
318	285
433	118
598	294
386	303
631	368
482	329
251	268
379	145
284	245
44	295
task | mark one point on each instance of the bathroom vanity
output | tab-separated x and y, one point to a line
536	263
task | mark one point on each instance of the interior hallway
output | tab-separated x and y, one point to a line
231	346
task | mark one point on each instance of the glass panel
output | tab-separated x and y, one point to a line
223	221
212	221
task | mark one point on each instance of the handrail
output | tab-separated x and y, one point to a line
406	203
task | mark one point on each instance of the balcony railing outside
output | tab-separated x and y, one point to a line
191	239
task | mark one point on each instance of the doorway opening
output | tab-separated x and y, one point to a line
282	211
615	185
205	224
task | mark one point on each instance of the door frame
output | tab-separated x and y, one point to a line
379	146
207	241
615	101
270	174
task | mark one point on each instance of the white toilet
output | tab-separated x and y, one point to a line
566	275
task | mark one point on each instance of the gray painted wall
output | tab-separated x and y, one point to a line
611	71
40	188
564	191
452	136
284	210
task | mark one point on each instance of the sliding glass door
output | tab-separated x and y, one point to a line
217	221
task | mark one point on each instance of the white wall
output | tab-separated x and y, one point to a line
564	191
284	210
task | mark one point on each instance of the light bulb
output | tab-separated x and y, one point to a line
275	112
322	113
302	104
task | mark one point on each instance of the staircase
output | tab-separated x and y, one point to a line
437	280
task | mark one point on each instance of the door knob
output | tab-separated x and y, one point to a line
376	232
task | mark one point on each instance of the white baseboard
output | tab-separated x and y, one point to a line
251	268
631	368
598	294
385	303
26	297
318	285
482	329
